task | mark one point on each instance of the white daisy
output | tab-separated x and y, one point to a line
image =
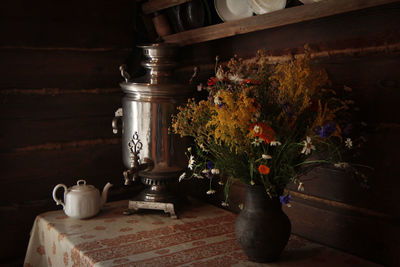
300	187
191	162
220	75
308	146
224	204
217	100
256	141
348	143
202	147
275	143
214	171
211	191
182	176
265	156
235	78
256	129
195	175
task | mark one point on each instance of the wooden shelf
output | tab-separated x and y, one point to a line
271	20
156	5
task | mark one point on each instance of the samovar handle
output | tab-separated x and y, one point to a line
124	73
195	74
114	123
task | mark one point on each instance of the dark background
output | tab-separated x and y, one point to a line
59	89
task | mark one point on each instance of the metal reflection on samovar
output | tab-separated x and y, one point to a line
149	152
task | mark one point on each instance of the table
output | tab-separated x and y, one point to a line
202	236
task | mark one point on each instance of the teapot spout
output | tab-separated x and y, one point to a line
105	193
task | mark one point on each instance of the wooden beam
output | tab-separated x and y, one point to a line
272	20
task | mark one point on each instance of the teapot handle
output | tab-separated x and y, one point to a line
59	201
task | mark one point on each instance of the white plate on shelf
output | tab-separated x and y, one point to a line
229	10
265	6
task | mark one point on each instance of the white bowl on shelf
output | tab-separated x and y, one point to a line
229	10
265	6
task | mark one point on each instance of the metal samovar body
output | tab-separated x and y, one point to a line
149	152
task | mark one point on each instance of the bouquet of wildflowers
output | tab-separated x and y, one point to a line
265	124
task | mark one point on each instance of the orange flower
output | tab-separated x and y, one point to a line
262	131
263	169
211	81
251	81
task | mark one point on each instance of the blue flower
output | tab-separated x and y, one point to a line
285	199
210	165
326	130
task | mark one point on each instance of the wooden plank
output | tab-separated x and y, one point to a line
22	135
68	24
368	237
32	68
374	80
272	20
57	104
59	117
152	6
362	30
42	170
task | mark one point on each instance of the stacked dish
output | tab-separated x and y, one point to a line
229	10
265	6
232	9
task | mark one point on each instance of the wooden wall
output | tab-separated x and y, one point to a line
360	50
59	89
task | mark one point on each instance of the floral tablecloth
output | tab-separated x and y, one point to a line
202	236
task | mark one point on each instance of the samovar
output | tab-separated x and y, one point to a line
149	152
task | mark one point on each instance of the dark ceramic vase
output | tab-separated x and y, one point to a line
262	228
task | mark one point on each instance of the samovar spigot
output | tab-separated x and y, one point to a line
135	145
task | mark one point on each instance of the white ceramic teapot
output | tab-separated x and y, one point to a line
81	201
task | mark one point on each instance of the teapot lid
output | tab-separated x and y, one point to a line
82	187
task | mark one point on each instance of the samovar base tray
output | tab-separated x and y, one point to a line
135	205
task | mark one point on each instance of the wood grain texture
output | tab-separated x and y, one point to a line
32	68
373	27
371	238
72	119
58	118
86	24
152	6
272	20
42	170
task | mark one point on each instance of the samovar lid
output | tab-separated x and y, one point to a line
158	82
